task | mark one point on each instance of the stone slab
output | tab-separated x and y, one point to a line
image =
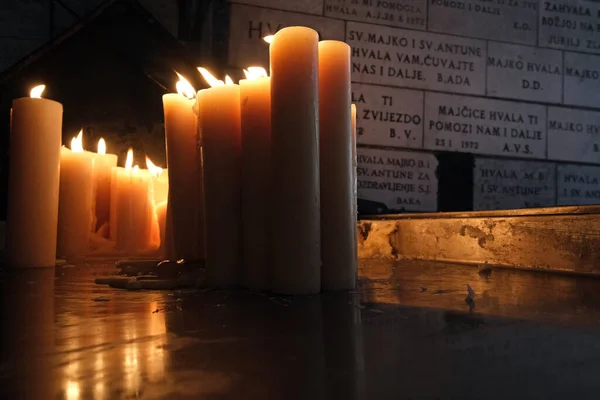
388	116
570	25
505	184
413	59
578	185
484	126
401	13
401	180
573	135
506	20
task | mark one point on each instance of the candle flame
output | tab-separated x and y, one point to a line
154	169
101	146
185	88
36	92
268	38
129	159
77	143
208	77
253	73
228	80
136	169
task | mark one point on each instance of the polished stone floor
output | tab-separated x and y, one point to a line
407	333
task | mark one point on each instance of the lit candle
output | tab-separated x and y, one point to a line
133	208
295	228
160	181
103	165
255	98
338	214
159	189
75	200
219	116
161	218
35	138
185	177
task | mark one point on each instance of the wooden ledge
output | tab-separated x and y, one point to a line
560	239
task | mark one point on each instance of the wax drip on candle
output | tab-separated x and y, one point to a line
268	38
185	88
101	146
36	92
77	143
253	73
129	159
208	77
154	169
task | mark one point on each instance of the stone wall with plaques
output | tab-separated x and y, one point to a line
497	102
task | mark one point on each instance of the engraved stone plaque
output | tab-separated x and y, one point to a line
401	180
520	72
401	13
484	126
578	185
570	25
398	57
388	116
505	184
250	24
507	20
573	135
307	6
582	79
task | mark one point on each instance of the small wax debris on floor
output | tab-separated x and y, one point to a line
484	269
101	298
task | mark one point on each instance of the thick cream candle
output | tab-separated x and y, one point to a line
255	100
33	181
183	160
295	214
338	214
220	129
103	165
75	213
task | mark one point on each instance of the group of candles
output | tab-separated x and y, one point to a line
261	178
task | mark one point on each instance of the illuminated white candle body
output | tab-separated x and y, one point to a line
181	133
75	203
220	129
103	165
295	215
255	97
33	182
133	211
161	215
338	214
115	171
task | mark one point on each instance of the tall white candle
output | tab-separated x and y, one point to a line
183	160
75	201
255	99
338	214
35	138
295	214
220	129
103	165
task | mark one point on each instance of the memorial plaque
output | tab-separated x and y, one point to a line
248	26
578	185
307	6
25	19
573	135
582	79
401	180
420	60
507	20
401	13
484	126
505	184
570	25
520	72
388	116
